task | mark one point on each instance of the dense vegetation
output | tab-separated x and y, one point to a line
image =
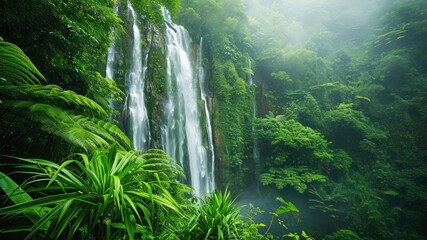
350	104
341	96
224	28
341	106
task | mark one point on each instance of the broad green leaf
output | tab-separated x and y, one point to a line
18	196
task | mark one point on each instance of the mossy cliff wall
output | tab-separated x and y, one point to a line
232	122
152	40
230	97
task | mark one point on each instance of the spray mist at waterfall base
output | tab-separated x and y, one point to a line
259	206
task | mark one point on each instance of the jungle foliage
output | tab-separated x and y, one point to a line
340	95
104	195
340	102
346	102
29	106
224	28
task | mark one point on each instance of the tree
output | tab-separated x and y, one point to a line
294	155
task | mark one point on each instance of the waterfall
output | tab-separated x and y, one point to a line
204	97
255	149
109	71
111	56
182	136
250	78
185	131
139	128
255	144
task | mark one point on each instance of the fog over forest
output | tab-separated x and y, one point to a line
293	23
213	119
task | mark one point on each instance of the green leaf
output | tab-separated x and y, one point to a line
391	192
18	196
16	67
59	112
286	207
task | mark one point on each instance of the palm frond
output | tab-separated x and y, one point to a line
157	161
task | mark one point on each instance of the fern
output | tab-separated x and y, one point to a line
16	67
296	177
52	94
56	122
327	198
59	112
106	130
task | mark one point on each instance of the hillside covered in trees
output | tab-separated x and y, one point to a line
213	119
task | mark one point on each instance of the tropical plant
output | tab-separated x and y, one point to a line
17	68
295	177
106	195
289	142
27	104
218	218
215	217
279	216
284	208
295	155
327	198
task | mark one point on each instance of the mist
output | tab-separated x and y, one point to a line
319	26
293	23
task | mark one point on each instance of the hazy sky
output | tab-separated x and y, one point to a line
296	21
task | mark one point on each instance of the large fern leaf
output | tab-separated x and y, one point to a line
59	112
56	122
107	130
55	95
15	67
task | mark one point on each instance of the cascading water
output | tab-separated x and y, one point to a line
250	82
255	152
204	97
182	136
139	127
109	71
250	78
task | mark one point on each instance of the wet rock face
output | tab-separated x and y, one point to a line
160	70
152	42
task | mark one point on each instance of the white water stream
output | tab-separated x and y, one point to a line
109	71
255	149
139	127
182	136
204	96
